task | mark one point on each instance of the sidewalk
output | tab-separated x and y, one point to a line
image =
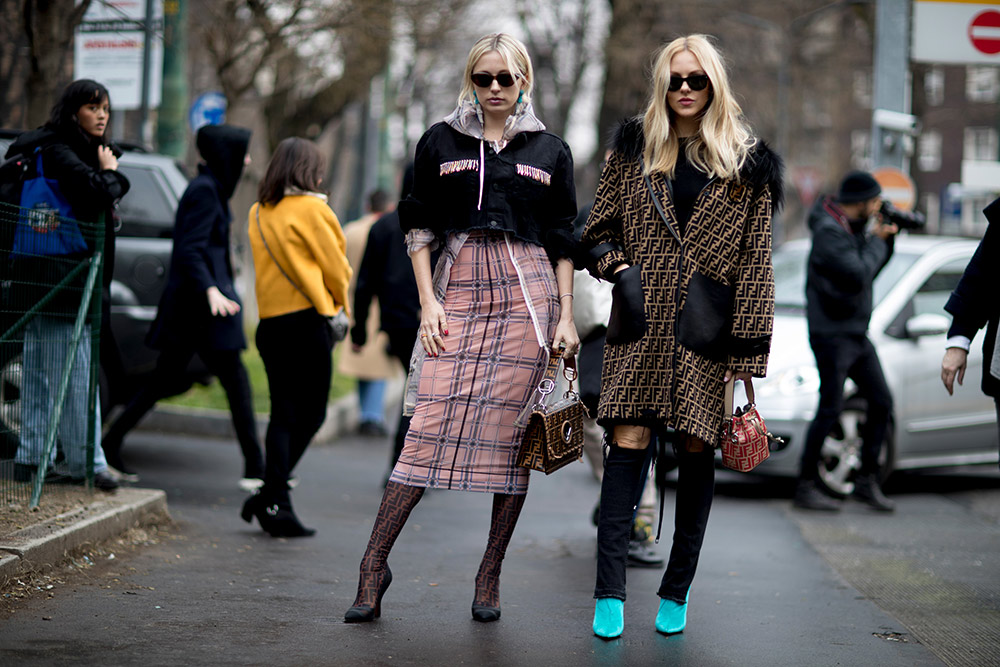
50	542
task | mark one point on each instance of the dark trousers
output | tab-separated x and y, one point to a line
620	492
170	375
296	351
401	342
839	358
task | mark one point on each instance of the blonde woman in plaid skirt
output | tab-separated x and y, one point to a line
495	193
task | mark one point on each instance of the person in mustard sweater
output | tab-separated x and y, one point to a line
302	276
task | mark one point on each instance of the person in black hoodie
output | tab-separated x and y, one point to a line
386	273
845	258
199	312
75	152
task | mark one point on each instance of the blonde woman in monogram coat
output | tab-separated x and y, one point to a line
682	225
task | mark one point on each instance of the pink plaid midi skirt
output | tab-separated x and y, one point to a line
462	434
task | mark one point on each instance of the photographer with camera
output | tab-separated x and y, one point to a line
852	241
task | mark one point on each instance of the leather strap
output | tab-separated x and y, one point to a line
658	205
275	259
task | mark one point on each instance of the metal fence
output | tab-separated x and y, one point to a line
50	320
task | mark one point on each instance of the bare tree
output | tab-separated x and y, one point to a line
304	60
560	38
49	26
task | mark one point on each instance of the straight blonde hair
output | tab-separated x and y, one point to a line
723	142
514	55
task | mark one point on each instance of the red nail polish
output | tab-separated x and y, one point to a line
445	332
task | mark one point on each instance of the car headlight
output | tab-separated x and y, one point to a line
794	381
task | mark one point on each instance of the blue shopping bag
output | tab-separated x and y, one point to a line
45	225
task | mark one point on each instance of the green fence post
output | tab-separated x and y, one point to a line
56	415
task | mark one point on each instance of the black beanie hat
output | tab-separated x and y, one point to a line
858	186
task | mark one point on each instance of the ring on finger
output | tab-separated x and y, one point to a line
435	335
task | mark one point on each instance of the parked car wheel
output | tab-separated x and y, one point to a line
840	456
10	405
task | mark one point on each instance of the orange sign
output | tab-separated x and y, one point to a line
897	187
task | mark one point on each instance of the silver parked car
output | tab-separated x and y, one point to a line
908	328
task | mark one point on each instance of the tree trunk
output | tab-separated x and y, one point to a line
49	26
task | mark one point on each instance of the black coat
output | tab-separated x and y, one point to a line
527	188
70	158
386	272
974	303
200	257
843	263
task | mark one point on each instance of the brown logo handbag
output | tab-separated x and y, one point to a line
554	435
744	440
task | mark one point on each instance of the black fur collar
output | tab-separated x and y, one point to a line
764	166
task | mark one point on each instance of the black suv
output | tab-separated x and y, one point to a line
142	257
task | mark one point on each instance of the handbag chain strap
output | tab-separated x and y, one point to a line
548	382
275	259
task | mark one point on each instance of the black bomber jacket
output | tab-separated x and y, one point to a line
527	189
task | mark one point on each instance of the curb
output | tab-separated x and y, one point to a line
51	542
341	418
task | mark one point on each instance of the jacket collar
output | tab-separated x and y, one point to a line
467	118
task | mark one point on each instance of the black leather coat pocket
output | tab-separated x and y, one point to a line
627	323
705	322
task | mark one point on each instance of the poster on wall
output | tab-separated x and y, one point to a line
109	45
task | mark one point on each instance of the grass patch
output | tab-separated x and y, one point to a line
214	398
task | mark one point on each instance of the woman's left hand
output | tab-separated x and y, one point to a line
566	335
739	375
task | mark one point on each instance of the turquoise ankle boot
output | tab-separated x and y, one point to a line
609	618
672	617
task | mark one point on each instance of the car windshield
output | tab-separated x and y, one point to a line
790	276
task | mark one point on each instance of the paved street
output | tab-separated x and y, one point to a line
217	591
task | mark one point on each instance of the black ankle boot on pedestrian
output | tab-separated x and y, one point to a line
277	520
808	496
868	491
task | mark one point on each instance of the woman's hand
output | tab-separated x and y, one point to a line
220	304
433	327
739	375
566	336
106	158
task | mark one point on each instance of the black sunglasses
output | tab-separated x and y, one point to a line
485	80
694	82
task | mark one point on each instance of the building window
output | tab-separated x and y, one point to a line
980	144
863	89
981	83
929	151
861	149
934	86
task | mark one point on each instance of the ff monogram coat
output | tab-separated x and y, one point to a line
652	377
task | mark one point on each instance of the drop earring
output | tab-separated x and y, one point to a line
520	97
475	97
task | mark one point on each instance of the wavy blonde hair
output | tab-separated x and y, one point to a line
514	55
723	142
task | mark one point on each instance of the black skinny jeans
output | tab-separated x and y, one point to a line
839	358
296	349
620	492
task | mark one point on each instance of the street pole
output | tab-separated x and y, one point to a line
147	50
892	56
171	129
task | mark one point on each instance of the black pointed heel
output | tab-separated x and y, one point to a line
485	614
362	613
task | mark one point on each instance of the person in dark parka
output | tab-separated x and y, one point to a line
199	312
847	253
386	273
973	305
